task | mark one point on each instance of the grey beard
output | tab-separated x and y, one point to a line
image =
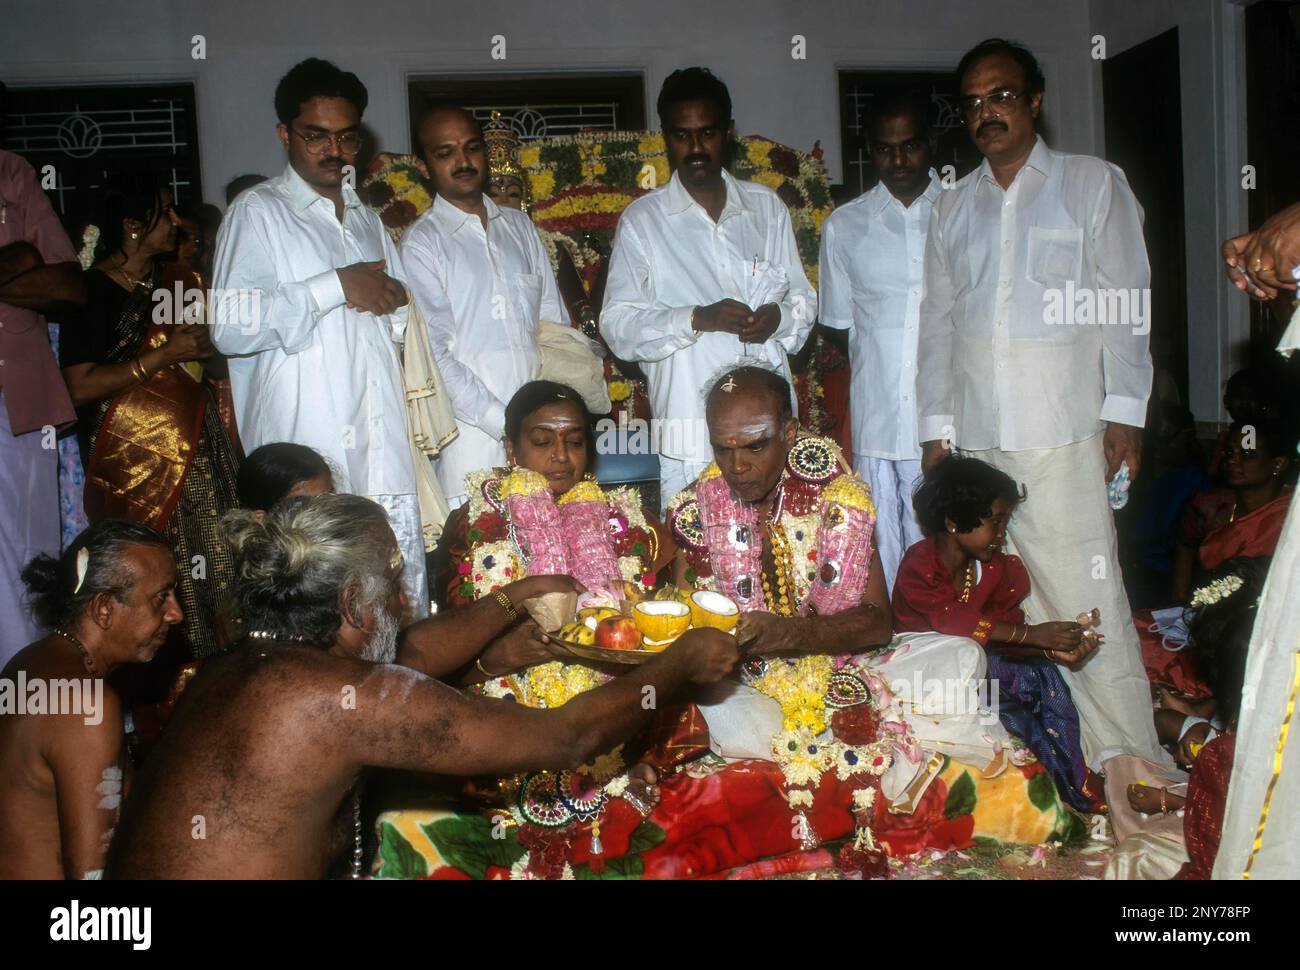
381	648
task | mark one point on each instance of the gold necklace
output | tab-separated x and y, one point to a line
133	283
780	604
969	582
86	658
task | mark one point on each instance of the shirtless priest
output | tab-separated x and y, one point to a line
257	774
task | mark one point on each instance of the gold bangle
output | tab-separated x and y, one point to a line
1046	655
478	662
501	597
694	310
137	368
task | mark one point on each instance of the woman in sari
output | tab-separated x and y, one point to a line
545	514
152	441
1259	467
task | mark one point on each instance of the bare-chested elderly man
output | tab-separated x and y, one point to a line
109	600
312	698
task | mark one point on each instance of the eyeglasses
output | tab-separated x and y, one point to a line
1005	98
349	142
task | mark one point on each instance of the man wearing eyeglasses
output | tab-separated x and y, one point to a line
308	303
1012	372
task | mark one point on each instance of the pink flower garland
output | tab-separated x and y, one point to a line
735	545
843	558
534	522
569	538
585	520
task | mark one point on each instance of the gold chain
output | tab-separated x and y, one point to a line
781	604
969	583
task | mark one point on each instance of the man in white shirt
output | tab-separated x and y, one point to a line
482	280
1015	371
870	276
704	274
309	305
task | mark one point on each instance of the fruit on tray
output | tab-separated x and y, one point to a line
578	632
618	633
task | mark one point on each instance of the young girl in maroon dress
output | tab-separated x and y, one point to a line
958	581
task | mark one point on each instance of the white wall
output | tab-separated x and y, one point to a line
1212	70
251	44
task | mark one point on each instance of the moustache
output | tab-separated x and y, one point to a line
464	171
692	159
989	124
331	163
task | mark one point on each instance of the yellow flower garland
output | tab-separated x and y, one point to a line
799	686
554	684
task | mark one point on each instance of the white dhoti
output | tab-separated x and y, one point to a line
1065	534
935	678
404	517
892	483
939	680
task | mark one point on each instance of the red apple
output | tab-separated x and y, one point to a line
618	633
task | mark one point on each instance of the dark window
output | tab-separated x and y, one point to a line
858	90
90	134
540	105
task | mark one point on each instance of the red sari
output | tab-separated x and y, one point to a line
1251	535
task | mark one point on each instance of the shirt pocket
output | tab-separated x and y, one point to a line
527	296
1055	256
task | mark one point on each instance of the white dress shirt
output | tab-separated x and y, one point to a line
870	277
482	293
670	257
304	367
993	365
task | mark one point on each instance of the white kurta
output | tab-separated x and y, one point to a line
306	368
483	294
994	363
1030	393
871	273
670	257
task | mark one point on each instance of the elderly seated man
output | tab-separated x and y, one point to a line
779	525
257	774
109	600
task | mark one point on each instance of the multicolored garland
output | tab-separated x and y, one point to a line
601	538
820	538
518	528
